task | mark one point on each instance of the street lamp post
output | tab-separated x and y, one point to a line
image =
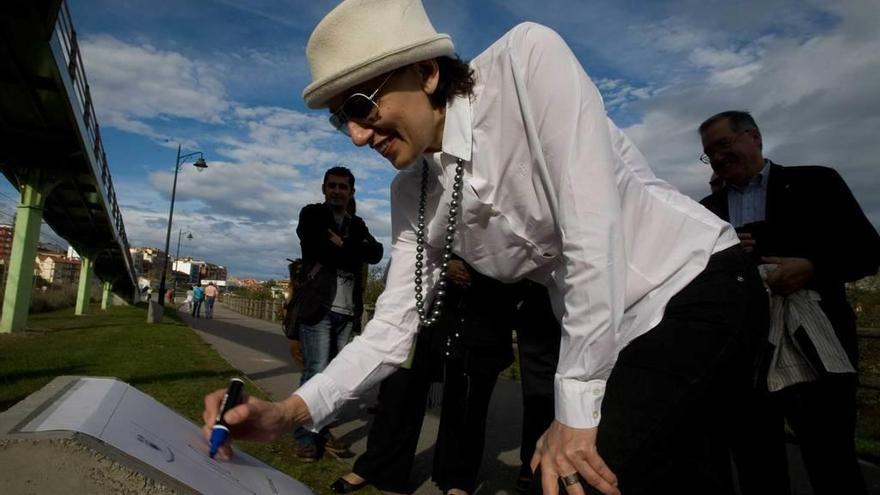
189	237
200	165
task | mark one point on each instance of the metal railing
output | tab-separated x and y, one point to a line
66	35
262	309
271	310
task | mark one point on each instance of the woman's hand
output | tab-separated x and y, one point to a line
458	274
254	419
563	451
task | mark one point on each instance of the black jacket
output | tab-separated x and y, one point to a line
811	213
358	247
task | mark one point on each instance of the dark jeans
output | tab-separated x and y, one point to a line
320	343
667	411
209	307
197	308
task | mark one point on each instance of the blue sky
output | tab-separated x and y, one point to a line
225	77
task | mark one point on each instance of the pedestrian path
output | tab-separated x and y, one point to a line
260	350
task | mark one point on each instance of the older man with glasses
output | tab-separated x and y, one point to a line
810	235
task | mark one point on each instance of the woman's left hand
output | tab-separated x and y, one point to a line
563	451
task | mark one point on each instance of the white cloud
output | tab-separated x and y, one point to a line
134	83
267	162
618	93
807	69
814	97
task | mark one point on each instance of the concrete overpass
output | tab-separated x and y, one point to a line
51	150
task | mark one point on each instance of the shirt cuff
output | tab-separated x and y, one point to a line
322	397
578	403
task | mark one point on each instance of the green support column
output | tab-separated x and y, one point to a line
85	284
105	298
20	278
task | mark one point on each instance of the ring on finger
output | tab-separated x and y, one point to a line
571	479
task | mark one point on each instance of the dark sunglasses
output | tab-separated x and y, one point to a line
358	106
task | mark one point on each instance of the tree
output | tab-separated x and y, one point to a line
375	284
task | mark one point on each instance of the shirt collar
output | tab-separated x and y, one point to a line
758	181
457	131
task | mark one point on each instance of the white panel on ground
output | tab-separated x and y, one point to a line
138	425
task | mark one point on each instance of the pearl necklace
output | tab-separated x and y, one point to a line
424	319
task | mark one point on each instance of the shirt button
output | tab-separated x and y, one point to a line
595	414
597	391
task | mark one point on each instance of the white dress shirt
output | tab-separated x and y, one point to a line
614	248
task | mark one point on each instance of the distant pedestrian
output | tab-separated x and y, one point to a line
210	297
169	295
198	298
188	302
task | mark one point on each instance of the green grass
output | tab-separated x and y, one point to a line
167	361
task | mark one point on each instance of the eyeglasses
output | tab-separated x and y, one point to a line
723	145
358	106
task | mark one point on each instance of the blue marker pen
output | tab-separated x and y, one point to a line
221	430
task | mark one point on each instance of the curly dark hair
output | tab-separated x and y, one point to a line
456	79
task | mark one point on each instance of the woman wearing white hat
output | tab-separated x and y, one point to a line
511	164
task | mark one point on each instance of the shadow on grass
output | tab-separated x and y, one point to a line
170	377
46	374
13	377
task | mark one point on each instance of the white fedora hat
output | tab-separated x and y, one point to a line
362	39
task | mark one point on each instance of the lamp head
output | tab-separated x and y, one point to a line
189	236
200	164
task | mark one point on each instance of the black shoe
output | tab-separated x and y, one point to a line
307	452
343	486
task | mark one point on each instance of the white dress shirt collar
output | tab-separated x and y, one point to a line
457	131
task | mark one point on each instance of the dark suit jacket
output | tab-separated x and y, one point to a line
358	247
811	213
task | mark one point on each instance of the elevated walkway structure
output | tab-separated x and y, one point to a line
51	150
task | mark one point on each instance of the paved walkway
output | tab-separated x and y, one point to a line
260	350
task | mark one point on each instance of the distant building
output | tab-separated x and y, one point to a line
56	269
188	270
144	258
250	283
6	232
51	248
210	271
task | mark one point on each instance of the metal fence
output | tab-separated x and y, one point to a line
271	310
265	309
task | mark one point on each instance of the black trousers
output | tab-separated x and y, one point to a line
822	415
394	434
666	415
537	340
462	434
